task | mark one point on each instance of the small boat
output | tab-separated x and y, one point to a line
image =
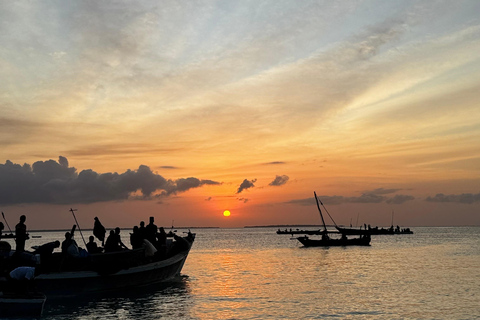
11	236
326	240
329	242
21	304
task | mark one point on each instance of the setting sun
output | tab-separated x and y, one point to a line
226	213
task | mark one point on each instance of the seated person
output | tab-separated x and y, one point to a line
92	246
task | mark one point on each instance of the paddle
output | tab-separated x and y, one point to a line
73	212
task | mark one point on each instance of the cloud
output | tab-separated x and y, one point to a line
400	198
468	198
57	183
382	191
364	198
279	181
246	184
244	200
274	163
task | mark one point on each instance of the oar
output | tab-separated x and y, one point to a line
3	215
73	212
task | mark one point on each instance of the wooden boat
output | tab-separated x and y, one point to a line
326	240
329	242
111	271
21	304
373	231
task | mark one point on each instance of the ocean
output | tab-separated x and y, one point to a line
253	273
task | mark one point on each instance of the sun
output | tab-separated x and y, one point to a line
226	213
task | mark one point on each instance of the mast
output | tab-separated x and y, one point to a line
321	215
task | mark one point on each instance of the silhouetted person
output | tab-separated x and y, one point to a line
69	246
21	234
142	231
135	238
99	230
45	251
151	231
119	240
179	245
162	237
1	229
111	245
92	246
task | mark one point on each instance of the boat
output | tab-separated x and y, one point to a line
21	304
12	236
298	231
373	231
329	242
59	275
326	240
112	271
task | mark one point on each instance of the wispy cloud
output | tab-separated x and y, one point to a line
468	198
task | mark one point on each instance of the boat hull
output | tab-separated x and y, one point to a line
72	283
307	242
27	305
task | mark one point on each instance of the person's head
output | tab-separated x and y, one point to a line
96	218
67	235
91	238
57	244
117	230
112	232
152	219
142	223
23	218
135	229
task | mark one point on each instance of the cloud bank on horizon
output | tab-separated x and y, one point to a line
56	183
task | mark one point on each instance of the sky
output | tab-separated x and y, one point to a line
181	110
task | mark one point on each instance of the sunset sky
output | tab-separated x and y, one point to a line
183	109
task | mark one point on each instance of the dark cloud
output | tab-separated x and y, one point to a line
382	191
55	182
458	198
400	198
279	180
244	200
364	198
246	184
167	167
275	162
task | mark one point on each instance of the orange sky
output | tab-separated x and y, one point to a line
373	105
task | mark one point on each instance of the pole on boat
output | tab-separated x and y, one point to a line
321	215
73	213
328	213
3	215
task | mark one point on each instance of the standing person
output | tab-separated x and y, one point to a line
151	231
142	231
21	234
1	229
99	230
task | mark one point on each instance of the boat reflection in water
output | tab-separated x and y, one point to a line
168	299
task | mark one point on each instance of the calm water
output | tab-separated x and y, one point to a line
257	274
